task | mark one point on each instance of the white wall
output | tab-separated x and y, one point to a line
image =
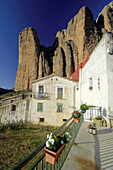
21	114
96	68
109	44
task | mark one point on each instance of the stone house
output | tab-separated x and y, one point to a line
94	78
53	99
52	103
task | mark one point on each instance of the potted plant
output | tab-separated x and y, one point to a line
94	130
84	107
77	116
90	127
54	146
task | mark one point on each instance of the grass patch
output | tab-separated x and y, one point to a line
17	143
13	93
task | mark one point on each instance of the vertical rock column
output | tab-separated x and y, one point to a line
29	45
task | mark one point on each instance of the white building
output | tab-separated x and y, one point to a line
94	78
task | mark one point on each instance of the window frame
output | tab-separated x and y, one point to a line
13	107
40	120
39	110
99	83
60	87
90	83
59	107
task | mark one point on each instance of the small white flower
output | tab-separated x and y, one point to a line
67	133
51	141
47	144
48	136
62	142
69	136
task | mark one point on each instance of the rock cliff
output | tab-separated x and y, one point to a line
70	48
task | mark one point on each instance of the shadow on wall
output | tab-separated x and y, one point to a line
104	112
13	121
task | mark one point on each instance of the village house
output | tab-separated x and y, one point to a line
53	99
94	79
52	103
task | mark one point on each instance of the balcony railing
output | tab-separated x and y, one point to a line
37	95
36	160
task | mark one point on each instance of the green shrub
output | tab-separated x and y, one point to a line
3	128
16	126
84	107
99	117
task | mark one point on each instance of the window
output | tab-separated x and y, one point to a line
59	107
64	120
77	86
41	91
12	101
59	93
41	119
99	83
91	83
40	107
13	107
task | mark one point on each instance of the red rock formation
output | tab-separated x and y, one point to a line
29	45
71	47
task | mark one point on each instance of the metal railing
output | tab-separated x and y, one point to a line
39	163
92	112
37	95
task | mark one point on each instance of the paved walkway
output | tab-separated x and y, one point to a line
91	152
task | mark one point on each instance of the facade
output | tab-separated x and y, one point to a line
94	78
53	100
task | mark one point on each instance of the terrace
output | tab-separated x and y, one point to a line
85	151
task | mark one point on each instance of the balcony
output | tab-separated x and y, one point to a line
84	151
41	96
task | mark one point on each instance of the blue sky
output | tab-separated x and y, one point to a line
46	16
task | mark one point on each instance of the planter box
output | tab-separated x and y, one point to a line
51	156
77	120
92	131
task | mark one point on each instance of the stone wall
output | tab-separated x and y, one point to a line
49	113
26	110
17	112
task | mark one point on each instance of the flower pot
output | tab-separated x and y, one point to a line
77	120
94	131
83	111
90	130
51	156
